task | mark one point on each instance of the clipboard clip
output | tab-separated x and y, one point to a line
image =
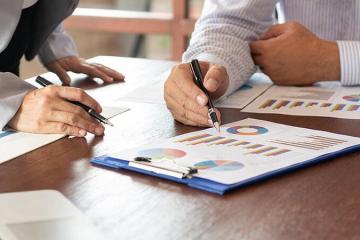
173	170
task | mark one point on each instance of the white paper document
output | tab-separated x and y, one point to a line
243	150
154	92
325	99
40	215
257	84
14	144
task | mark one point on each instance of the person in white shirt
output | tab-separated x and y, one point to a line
34	27
315	41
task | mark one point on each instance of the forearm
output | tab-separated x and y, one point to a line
12	92
222	33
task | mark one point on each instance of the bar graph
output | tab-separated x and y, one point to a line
193	138
224	142
277	105
207	140
316	143
250	148
277	153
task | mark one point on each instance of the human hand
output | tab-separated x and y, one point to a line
78	65
186	102
47	110
292	55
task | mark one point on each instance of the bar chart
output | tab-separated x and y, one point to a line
249	147
276	104
312	142
327	100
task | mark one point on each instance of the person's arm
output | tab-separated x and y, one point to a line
349	62
12	92
222	34
220	42
59	55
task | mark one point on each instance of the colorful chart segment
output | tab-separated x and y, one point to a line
209	140
157	154
276	104
352	98
219	165
247	130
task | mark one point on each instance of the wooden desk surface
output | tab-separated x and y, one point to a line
318	202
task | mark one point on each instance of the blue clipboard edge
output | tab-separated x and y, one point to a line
216	187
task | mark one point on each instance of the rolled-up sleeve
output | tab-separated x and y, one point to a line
12	92
58	45
349	62
223	32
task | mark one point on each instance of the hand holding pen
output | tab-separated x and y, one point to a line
199	80
185	100
49	110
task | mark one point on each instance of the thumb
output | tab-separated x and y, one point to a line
216	80
273	32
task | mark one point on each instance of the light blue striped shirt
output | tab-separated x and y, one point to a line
222	33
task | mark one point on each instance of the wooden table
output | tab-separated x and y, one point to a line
318	202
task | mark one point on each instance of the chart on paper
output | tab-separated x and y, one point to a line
242	150
327	99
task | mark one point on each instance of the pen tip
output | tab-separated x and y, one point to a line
217	126
109	123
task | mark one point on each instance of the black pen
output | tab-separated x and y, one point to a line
199	79
43	82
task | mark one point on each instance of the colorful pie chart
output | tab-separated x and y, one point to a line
247	130
157	154
219	165
352	98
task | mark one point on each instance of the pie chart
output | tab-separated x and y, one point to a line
157	154
219	165
247	130
352	98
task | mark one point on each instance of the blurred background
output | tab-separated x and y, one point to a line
156	29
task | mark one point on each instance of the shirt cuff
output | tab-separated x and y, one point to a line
12	92
350	62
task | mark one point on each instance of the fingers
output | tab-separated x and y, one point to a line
117	76
79	95
216	80
62	128
273	32
78	121
184	81
189	112
61	73
257	47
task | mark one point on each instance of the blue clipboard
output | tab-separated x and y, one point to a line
215	187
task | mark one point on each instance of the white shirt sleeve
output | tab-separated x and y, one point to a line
349	62
12	92
222	34
58	45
